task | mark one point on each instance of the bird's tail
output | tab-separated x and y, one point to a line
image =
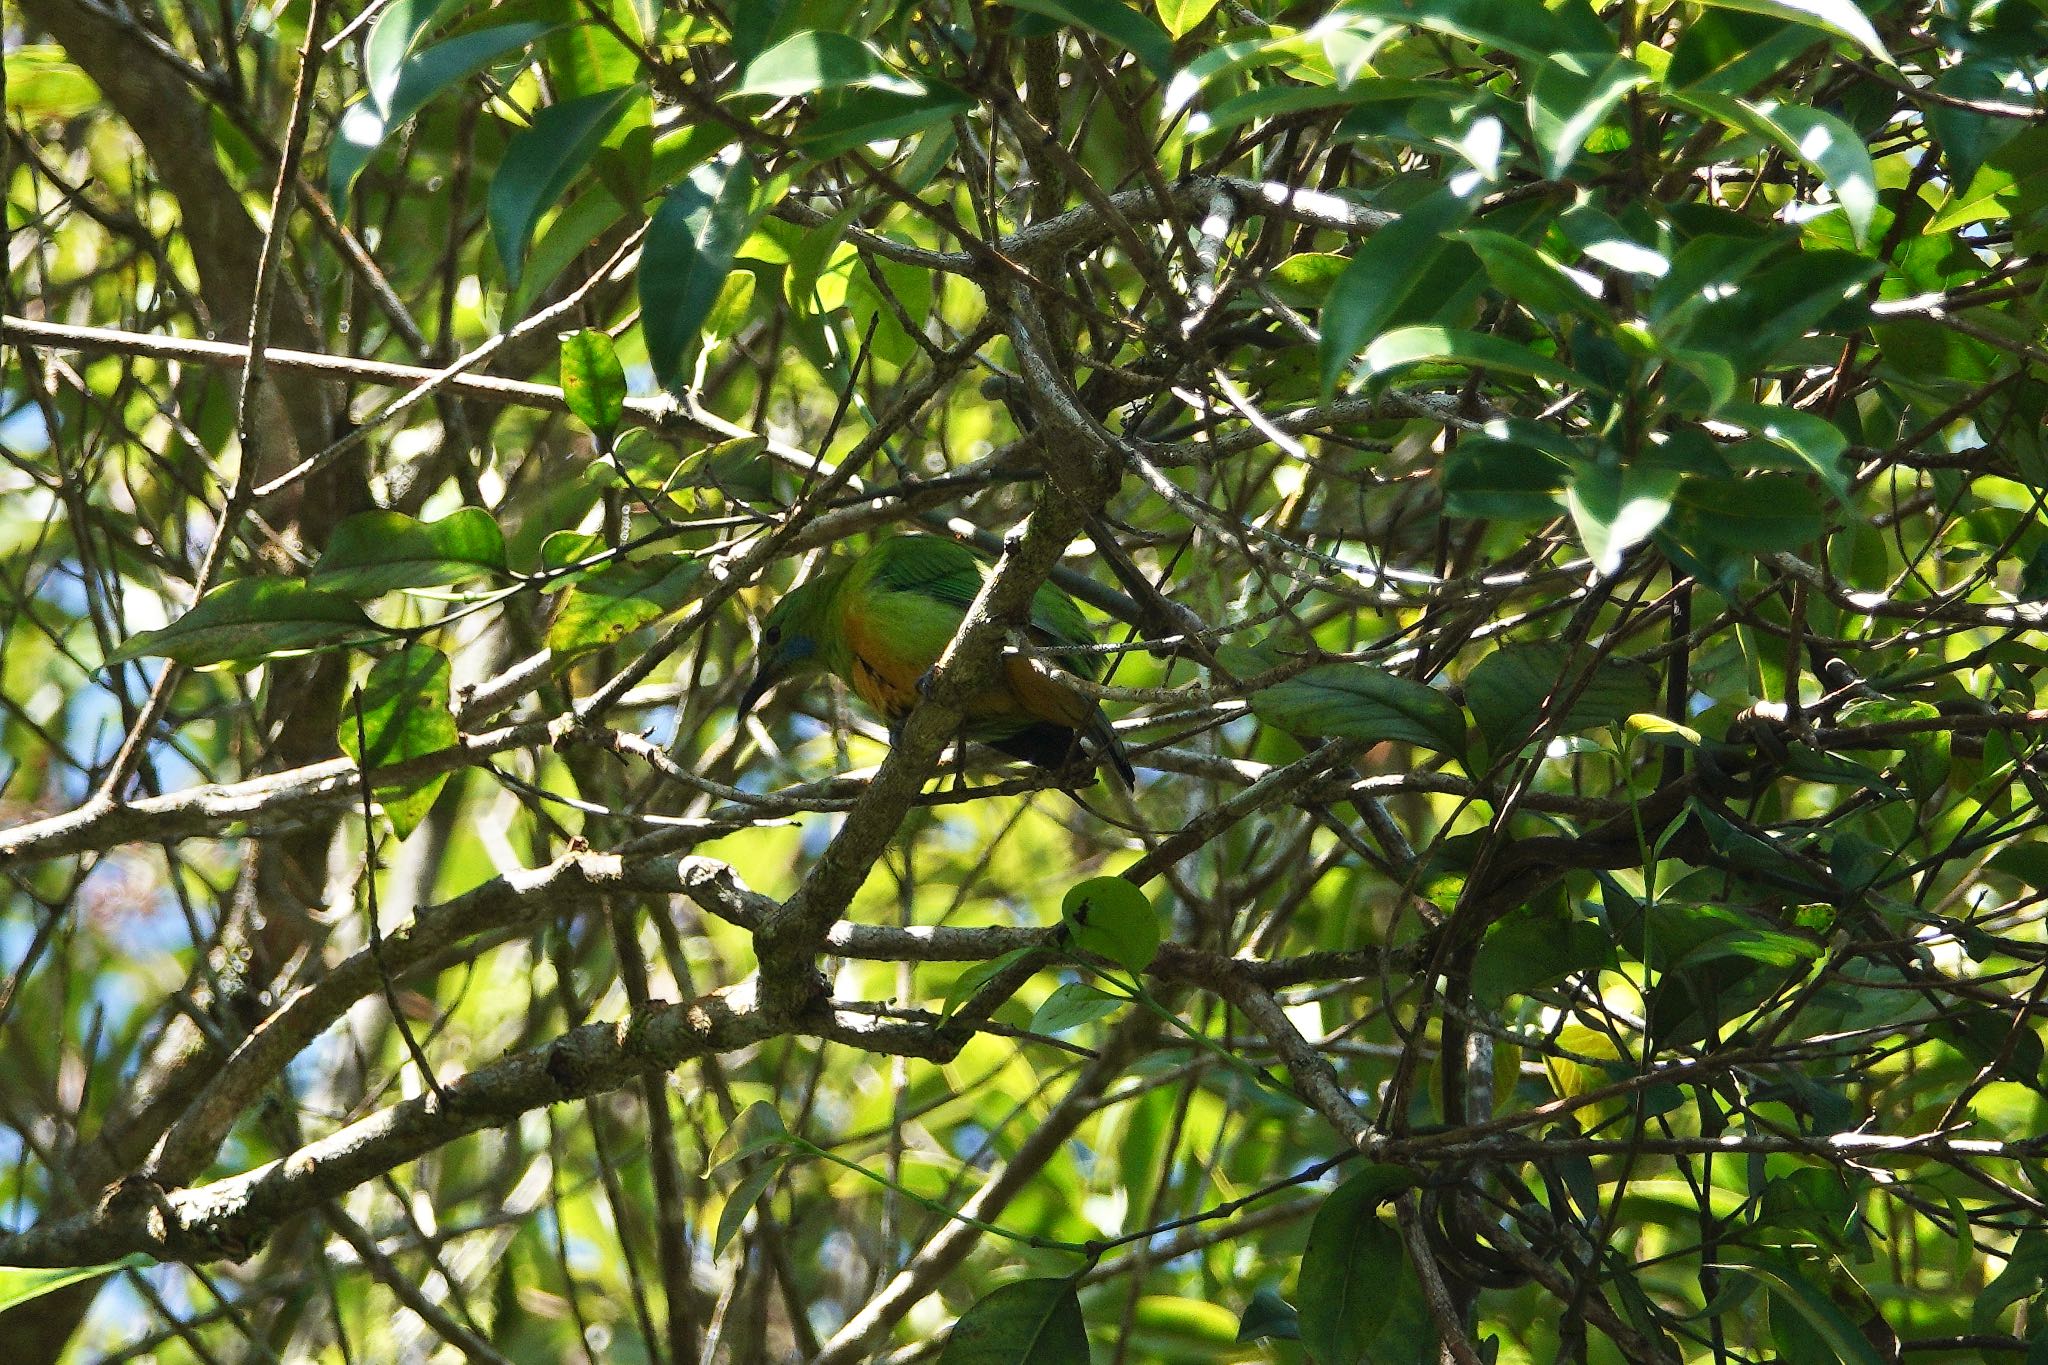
1107	746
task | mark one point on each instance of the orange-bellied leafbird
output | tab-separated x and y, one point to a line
881	622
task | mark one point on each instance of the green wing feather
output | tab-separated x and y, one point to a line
949	572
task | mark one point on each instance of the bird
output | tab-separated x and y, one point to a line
881	621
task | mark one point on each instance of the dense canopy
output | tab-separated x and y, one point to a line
1556	492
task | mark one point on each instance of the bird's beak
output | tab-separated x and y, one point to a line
757	689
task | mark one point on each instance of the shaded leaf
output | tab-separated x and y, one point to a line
1352	1269
1571	94
1507	691
863	116
373	553
397	31
1531	948
252	619
1761	513
1790	1290
1025	1322
1406	346
1830	146
1383	270
1072	1006
741	1200
756	1128
1843	18
1617	509
1360	702
689	251
980	974
1268	1316
1136	32
540	161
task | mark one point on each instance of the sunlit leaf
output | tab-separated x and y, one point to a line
403	714
593	382
1112	918
805	63
366	123
609	604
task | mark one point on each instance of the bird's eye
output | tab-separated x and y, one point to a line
773	635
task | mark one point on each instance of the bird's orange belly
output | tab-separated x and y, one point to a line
886	680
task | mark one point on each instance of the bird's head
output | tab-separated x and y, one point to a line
792	635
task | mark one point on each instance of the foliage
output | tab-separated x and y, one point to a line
1560	487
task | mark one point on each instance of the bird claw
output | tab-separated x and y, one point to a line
925	682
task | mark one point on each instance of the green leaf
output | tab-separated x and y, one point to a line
373	553
1182	17
1830	146
1111	918
1383	269
2026	862
2016	171
863	116
1531	948
367	122
1359	702
1406	346
593	382
404	716
1618	509
19	1285
1571	95
1352	1268
756	1128
1810	436
1073	1005
563	548
980	974
1025	1322
1485	476
1791	1290
689	251
1523	27
740	1202
1305	280
1843	18
1269	1317
1758	513
1508	688
251	619
2026	1270
805	63
1528	275
588	215
397	31
753	24
606	606
1138	33
539	163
